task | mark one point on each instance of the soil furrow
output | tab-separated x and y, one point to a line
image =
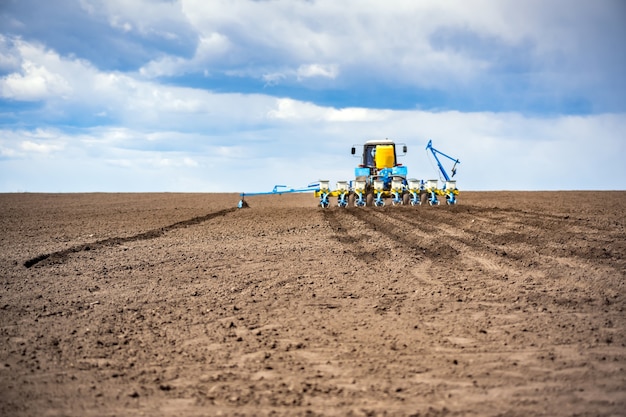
60	256
412	240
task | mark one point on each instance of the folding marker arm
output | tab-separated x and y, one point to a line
441	168
278	189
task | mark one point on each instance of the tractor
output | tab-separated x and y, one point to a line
379	176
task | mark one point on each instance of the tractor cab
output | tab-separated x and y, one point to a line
378	155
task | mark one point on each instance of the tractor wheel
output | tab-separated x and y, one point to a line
424	198
406	197
351	198
369	199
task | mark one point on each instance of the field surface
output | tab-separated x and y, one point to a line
509	304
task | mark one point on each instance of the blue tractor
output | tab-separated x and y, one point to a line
379	175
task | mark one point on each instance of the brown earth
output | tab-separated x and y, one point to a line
511	303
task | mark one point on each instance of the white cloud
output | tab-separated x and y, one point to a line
45	75
9	58
190	162
8	152
25	144
210	48
43	148
291	109
274	78
302	74
148	17
317	70
120	163
33	83
352	114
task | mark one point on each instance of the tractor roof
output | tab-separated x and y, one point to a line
380	142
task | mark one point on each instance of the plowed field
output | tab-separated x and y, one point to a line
510	303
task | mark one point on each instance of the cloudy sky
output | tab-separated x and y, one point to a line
239	95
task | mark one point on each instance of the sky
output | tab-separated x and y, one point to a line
240	95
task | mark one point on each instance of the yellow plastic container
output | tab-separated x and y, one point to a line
384	156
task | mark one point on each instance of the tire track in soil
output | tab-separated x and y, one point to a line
60	256
390	249
359	242
393	223
506	251
460	251
443	236
439	235
499	255
341	234
409	234
514	233
446	238
516	230
461	235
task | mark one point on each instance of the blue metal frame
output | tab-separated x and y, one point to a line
433	200
397	198
435	152
276	190
450	197
379	202
342	200
359	200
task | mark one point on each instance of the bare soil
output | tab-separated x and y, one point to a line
508	304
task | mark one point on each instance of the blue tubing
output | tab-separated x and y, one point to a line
324	203
342	201
379	202
433	199
359	200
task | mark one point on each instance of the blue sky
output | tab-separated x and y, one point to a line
239	95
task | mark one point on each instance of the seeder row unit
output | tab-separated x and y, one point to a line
401	192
